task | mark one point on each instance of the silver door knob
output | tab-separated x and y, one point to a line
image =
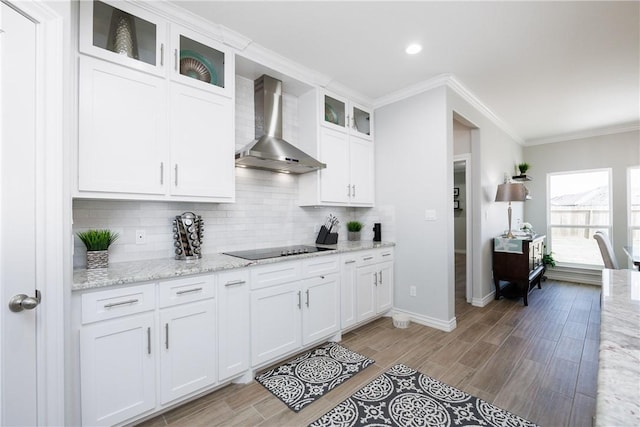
21	302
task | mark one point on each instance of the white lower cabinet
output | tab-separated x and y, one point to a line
117	359
293	306
367	288
188	349
234	346
321	311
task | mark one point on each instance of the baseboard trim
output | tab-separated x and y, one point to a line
432	322
575	275
482	302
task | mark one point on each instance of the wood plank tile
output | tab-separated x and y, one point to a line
520	389
587	379
478	354
540	350
551	330
583	411
569	349
575	330
590	351
497	334
550	409
561	377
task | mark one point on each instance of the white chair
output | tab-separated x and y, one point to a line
606	250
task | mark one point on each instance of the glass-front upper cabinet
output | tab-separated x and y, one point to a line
123	33
341	114
201	62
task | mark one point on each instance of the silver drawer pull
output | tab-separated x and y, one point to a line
148	340
166	336
116	304
368	258
189	291
387	254
351	261
235	282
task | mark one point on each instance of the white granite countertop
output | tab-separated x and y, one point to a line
122	273
618	400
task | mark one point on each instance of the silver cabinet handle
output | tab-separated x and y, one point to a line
348	190
353	123
375	282
368	258
175	58
354	190
161	173
188	291
166	336
116	304
347	122
175	175
351	261
307	297
381	277
161	54
299	300
149	340
235	282
387	254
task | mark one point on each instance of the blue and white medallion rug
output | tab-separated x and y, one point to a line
307	377
405	397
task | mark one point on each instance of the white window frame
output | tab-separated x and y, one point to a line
607	228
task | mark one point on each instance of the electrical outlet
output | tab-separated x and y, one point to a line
141	237
412	291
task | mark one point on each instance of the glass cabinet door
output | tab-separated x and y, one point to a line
122	33
334	112
201	62
360	121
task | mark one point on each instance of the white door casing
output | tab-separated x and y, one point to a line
31	213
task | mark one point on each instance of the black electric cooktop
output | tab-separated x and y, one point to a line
256	254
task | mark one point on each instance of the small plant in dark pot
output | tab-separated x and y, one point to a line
97	243
353	228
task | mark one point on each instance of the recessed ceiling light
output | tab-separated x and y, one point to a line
413	48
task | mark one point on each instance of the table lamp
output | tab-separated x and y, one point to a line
511	192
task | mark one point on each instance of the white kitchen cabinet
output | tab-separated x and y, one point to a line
293	304
348	179
158	125
122	135
202	144
117	359
374	284
348	294
275	321
321	311
234	344
123	33
188	349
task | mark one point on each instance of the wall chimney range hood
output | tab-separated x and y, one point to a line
269	151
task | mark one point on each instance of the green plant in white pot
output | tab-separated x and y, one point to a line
353	228
97	243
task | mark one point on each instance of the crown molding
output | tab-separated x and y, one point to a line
450	81
589	133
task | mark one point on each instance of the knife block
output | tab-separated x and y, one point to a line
326	238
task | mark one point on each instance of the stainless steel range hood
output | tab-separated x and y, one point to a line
269	151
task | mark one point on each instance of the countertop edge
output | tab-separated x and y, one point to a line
125	273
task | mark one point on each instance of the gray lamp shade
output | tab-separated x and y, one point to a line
511	192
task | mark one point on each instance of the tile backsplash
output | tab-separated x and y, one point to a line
265	212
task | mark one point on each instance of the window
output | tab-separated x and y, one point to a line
579	204
634	205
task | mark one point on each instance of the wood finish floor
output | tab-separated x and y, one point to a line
539	362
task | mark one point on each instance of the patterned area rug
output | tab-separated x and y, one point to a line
404	397
306	378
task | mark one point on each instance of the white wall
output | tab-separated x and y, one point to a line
616	151
265	213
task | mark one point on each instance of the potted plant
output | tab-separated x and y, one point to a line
97	243
353	228
523	168
547	258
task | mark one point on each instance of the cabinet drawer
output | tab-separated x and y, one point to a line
180	291
366	258
274	274
320	265
113	303
385	254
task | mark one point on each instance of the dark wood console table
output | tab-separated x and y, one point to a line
517	266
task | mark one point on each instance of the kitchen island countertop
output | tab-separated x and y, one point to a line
122	273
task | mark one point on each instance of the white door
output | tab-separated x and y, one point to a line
334	179
384	288
321	311
234	346
362	180
17	217
366	297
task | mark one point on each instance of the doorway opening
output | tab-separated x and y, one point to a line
464	133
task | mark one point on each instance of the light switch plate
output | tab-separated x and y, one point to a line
430	215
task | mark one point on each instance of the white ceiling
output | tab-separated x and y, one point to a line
547	69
